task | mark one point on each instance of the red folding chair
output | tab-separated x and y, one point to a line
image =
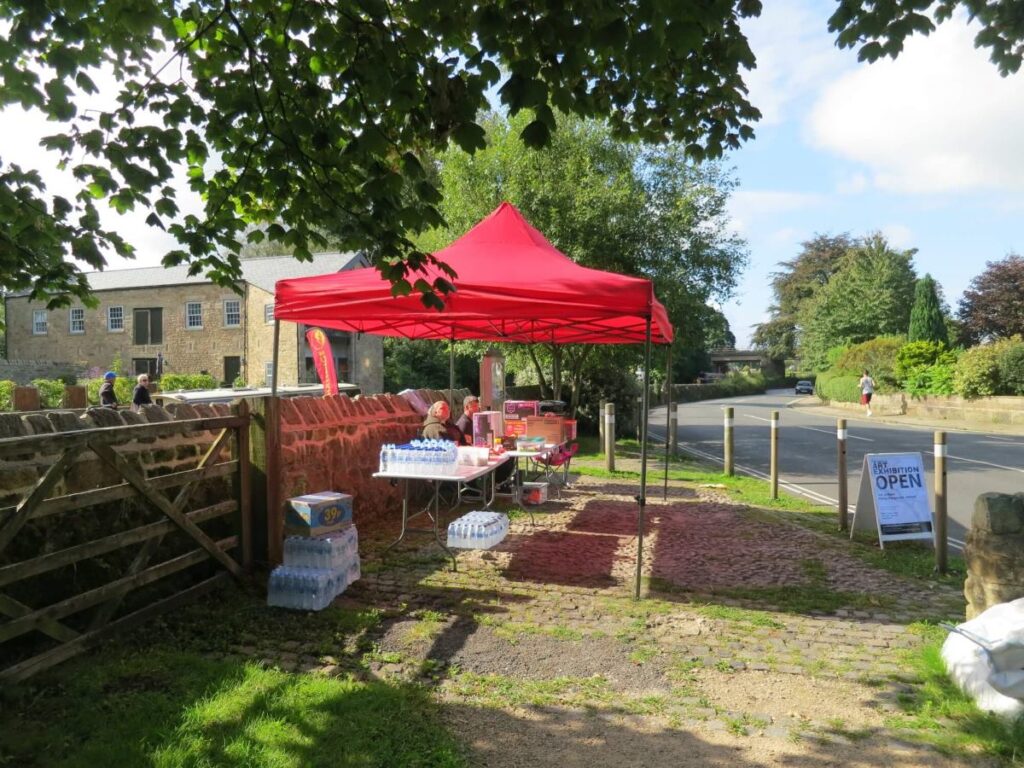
550	463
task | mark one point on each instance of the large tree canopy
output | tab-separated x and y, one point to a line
296	115
793	286
871	295
612	205
991	307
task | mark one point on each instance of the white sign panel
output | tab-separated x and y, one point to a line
893	498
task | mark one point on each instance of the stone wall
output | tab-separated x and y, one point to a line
333	443
995	552
994	410
24	371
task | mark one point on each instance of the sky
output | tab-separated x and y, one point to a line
928	149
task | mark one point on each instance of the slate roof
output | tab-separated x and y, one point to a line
261	271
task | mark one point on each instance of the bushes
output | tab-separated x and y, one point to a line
926	368
171	382
122	389
1011	369
838	387
51	392
6	395
877	356
977	371
733	385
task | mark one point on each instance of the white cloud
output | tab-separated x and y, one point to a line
853	184
795	56
746	206
937	119
898	235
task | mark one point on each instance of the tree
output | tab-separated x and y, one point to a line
794	286
607	204
991	306
927	322
291	115
871	295
419	363
881	28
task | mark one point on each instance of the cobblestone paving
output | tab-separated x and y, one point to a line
707	651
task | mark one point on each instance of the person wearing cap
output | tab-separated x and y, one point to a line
140	396
108	398
470	405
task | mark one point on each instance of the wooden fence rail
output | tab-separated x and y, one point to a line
226	456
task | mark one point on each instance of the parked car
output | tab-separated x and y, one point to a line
804	388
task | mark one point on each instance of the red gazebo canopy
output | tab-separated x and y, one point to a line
511	285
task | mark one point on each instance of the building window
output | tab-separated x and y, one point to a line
146	365
232	313
115	318
76	320
148	325
40	324
268	373
268	313
193	316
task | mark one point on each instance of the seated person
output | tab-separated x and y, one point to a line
470	406
438	424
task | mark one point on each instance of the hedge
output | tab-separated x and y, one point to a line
838	387
733	385
172	382
7	395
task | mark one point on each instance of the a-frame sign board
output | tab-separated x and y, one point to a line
893	499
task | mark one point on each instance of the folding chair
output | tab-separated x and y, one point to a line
549	464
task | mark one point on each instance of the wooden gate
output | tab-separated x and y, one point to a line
174	513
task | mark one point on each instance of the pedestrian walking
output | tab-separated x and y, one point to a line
140	396
867	389
108	397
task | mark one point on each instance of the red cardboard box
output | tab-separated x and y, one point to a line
515	427
551	428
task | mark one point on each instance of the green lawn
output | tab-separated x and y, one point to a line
165	703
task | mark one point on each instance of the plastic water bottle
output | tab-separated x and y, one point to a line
383	458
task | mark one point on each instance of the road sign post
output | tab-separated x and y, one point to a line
775	455
727	456
842	508
941	527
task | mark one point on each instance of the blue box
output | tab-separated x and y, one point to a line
318	513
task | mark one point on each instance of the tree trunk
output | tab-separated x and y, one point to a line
556	371
540	371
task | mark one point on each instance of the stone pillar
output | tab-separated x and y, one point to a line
995	552
26	399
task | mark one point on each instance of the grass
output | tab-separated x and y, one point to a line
935	711
167	708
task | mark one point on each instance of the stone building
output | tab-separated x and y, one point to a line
157	320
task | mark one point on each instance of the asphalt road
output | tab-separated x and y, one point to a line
976	461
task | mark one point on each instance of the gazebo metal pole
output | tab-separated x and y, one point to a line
273	373
668	418
642	498
451	373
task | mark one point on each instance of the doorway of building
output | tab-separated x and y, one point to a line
232	369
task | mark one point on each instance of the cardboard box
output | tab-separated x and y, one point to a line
318	513
535	493
550	428
515	427
486	426
520	409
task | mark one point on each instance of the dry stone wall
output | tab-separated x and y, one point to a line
995	552
25	371
333	443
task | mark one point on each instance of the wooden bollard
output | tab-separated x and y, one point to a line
673	430
727	454
843	503
941	527
775	455
600	423
609	436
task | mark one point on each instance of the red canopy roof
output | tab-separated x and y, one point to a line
511	285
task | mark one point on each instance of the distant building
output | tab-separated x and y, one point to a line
725	360
161	320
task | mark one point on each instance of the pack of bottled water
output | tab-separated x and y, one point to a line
315	571
477	530
420	457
